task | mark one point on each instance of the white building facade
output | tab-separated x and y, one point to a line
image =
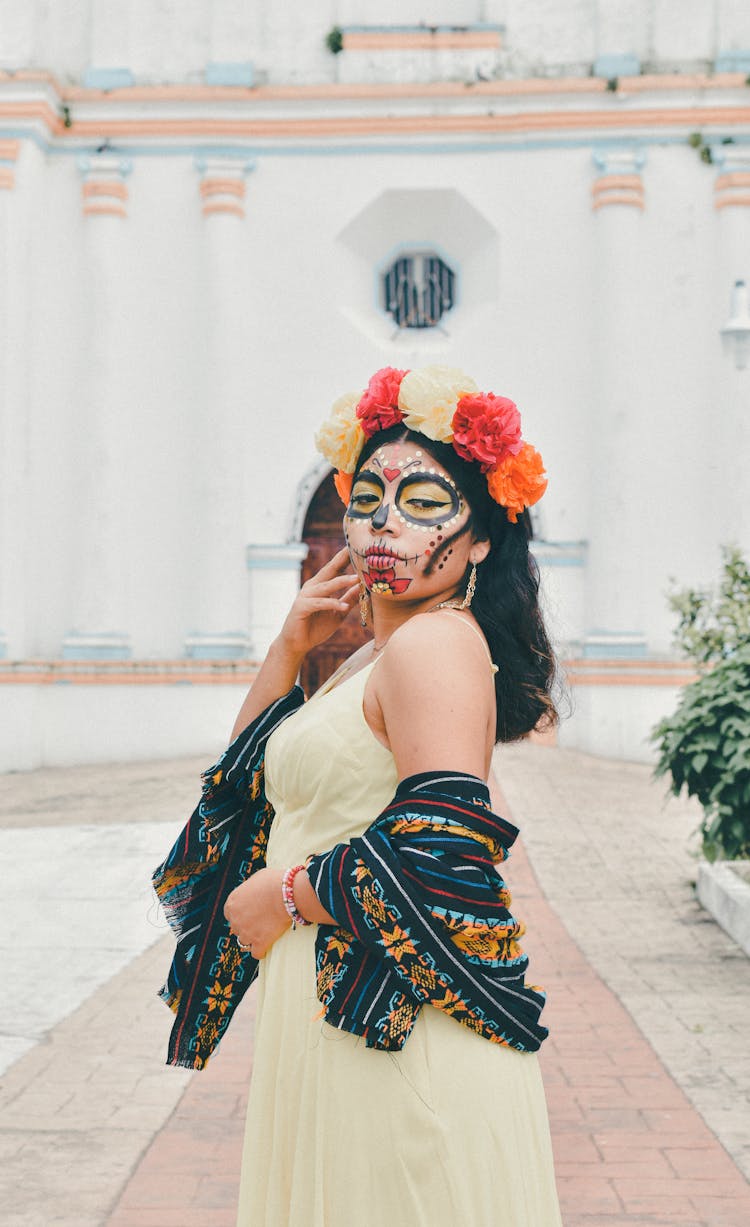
200	207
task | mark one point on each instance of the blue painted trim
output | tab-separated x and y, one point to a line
357	149
568	560
226	73
617	645
214	651
108	78
274	564
617	65
732	61
102	651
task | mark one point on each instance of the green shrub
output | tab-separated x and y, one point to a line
335	40
705	745
713	625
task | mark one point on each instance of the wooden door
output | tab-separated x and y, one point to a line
323	534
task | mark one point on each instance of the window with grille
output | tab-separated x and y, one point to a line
418	289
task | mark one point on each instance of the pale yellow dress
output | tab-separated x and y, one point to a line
452	1130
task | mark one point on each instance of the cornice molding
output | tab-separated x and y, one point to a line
36	105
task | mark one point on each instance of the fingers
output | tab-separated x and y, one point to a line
329	586
319	604
334	565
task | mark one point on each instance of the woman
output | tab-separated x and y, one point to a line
378	870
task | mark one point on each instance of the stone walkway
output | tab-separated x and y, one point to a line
646	998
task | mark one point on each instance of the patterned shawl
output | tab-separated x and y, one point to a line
422	911
424	920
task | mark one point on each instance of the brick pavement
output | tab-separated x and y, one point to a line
616	859
94	1129
629	1147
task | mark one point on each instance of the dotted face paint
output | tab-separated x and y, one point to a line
400	486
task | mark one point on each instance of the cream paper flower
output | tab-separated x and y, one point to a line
341	438
428	398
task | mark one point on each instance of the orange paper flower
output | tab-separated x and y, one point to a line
518	481
343	483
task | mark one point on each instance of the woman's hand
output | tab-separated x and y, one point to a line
320	607
256	913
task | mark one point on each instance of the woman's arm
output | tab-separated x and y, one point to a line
318	610
437	716
434	688
436	694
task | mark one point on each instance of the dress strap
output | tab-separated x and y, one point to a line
470	626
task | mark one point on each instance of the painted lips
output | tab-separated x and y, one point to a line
380	575
380	561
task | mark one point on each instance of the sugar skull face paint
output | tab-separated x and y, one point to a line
404	518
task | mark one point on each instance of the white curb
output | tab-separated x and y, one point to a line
726	895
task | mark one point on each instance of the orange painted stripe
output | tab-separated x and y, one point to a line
610	181
105	187
374	125
627	679
634	662
734	178
227	187
578	672
740	198
9	150
137	673
103	210
220	206
7	177
421	41
617	198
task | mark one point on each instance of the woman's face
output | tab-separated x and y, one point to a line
407	526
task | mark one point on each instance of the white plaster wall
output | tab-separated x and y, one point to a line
57	725
615	721
314	330
175	39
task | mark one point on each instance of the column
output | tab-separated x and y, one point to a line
9	453
274	583
613	615
226	434
732	207
100	563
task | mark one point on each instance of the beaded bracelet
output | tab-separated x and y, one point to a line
287	894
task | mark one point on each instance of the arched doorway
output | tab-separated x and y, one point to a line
323	535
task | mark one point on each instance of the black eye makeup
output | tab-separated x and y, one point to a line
366	496
426	499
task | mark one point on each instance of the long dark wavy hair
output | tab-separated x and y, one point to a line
506	600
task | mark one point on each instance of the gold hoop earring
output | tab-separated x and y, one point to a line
470	588
365	605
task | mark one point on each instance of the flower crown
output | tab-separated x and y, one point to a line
445	405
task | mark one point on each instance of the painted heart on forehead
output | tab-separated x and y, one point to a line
391	474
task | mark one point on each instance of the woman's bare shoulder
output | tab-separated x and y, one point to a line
436	696
446	642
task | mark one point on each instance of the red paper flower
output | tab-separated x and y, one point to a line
518	481
378	408
486	428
